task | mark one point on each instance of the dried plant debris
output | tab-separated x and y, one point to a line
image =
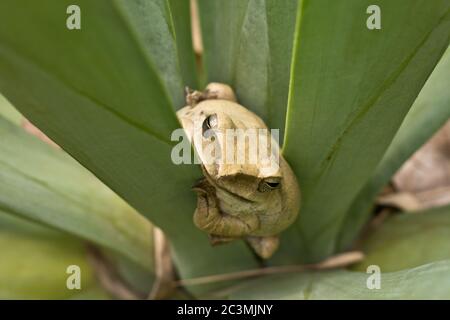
197	42
424	180
163	287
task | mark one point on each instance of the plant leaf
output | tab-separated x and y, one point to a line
350	89
418	238
34	261
157	42
181	16
248	44
101	93
429	112
7	111
430	281
43	184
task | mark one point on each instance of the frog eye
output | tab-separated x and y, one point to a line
269	184
209	123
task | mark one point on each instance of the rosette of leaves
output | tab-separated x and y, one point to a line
353	104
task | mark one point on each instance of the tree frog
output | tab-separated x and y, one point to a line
237	200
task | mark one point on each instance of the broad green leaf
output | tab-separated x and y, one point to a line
102	94
181	16
408	240
350	89
429	112
430	281
34	262
7	111
248	44
43	184
150	23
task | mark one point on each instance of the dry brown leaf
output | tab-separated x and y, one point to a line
403	200
436	197
424	180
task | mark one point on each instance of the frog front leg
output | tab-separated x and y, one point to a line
219	225
264	246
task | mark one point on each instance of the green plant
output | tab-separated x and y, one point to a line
346	99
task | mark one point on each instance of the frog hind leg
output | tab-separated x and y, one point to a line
264	247
194	97
210	219
213	91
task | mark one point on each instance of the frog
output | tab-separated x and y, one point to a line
237	200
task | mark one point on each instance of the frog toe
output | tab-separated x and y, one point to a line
264	247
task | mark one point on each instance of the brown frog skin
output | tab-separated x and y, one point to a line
237	201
